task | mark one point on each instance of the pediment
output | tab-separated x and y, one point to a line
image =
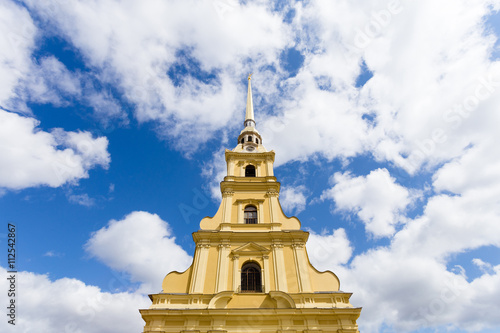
251	248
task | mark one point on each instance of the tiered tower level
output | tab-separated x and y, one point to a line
250	271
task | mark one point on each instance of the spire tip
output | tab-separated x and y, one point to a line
249	111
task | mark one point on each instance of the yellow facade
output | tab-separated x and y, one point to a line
250	270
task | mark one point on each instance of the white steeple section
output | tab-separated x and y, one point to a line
249	139
249	117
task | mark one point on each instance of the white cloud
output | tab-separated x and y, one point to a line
49	81
411	284
293	199
81	199
69	305
17	41
32	157
434	84
106	108
135	46
428	92
408	291
92	151
314	121
452	224
420	73
477	169
326	251
376	199
485	267
45	80
121	245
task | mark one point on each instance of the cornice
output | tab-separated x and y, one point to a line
266	179
235	312
232	155
260	186
214	237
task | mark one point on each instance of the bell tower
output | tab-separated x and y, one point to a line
250	271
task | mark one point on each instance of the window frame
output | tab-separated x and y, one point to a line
251	282
250	209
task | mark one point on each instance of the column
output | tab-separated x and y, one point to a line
261	212
200	268
269	166
227	203
240	212
236	272
279	267
267	279
302	268
230	168
273	205
222	268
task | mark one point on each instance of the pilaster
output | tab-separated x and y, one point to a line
267	278
273	205
200	268
236	272
269	166
222	267
302	267
227	202
279	267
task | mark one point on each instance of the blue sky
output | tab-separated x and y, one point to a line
114	117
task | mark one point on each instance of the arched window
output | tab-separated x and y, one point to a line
250	278
250	171
250	139
250	215
257	141
242	140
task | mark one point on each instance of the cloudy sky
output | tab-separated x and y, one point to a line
384	115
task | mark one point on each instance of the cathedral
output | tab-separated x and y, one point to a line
250	271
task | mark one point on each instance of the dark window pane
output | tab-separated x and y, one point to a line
251	278
250	215
250	171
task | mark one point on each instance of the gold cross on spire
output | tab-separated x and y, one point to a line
250	76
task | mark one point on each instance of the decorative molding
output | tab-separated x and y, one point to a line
228	193
272	193
282	299
249	201
220	300
251	248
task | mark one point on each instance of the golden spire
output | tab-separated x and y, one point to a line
249	112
